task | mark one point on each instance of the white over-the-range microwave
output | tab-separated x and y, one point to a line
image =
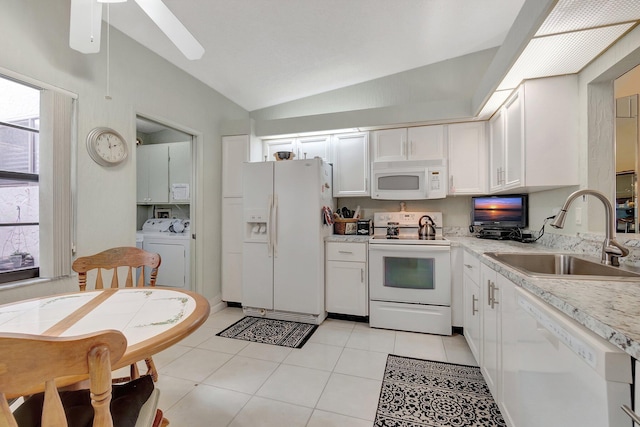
409	180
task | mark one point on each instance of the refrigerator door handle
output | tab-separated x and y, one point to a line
269	241
274	238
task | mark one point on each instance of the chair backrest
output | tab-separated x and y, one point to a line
130	257
30	362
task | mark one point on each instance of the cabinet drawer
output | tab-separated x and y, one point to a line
471	267
338	251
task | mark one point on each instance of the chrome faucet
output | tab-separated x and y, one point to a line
611	249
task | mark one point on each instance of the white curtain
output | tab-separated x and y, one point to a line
57	124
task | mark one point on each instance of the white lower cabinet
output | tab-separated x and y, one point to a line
490	301
498	339
471	304
542	367
346	284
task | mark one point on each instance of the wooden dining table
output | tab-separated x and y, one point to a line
151	319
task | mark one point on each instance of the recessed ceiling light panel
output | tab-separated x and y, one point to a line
561	54
572	15
497	99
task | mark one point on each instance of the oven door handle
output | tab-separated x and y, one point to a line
409	248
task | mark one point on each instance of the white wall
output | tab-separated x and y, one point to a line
35	44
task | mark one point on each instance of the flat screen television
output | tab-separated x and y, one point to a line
500	211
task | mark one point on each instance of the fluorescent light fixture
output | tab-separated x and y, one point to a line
495	101
574	15
85	26
566	53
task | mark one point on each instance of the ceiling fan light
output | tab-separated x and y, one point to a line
85	26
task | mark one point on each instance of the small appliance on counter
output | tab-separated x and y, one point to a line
364	227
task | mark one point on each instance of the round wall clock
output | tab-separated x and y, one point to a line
106	146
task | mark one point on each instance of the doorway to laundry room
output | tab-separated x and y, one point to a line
165	199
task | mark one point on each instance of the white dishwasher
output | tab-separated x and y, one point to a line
567	375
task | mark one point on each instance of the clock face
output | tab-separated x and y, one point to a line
106	147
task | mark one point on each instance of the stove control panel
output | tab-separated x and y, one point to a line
405	219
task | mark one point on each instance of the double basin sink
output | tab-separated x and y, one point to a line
563	266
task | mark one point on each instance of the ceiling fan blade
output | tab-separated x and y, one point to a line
172	27
85	25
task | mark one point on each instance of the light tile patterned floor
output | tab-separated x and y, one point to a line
334	380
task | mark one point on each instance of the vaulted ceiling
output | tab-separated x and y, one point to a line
261	53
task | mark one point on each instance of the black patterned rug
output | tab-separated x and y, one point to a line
269	331
419	392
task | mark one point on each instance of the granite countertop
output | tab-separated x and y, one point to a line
352	238
608	308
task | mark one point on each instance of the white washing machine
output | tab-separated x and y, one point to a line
171	238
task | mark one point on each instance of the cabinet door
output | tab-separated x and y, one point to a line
513	175
509	359
273	146
142	174
314	146
390	145
156	169
180	172
346	288
472	319
235	151
426	143
467	158
490	298
351	165
232	237
496	151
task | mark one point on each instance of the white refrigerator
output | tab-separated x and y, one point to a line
283	248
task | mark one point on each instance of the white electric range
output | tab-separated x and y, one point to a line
409	277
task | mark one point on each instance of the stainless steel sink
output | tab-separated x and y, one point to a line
563	265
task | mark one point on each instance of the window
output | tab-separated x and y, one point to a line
19	181
36	179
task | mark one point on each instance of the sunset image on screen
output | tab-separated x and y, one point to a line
503	209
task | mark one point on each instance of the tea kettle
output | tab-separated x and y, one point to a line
427	228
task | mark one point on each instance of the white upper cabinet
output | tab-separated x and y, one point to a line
389	145
235	151
351	165
152	172
416	143
305	147
314	146
272	146
163	173
180	172
534	137
426	143
467	158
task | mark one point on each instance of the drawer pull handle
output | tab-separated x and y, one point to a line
362	275
345	252
474	300
633	415
469	266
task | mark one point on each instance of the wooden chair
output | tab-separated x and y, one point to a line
33	362
132	259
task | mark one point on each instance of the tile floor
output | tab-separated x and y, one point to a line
334	380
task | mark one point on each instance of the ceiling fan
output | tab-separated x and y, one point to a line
86	20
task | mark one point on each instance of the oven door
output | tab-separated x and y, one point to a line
419	274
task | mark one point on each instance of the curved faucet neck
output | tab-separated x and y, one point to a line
611	249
